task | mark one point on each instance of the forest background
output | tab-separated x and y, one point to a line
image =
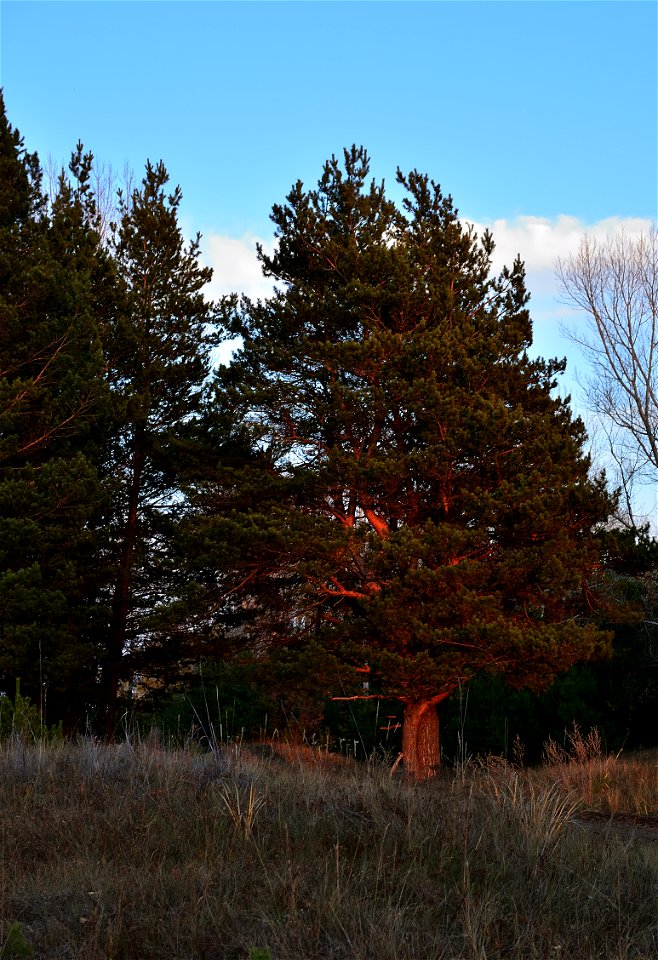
85	385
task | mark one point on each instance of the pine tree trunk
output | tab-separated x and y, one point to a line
111	674
420	740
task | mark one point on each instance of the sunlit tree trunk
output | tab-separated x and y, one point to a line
421	754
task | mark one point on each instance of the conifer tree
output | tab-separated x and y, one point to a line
51	400
418	507
158	361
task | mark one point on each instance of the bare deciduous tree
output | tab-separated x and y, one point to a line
106	187
616	284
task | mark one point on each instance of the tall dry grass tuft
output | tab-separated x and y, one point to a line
242	806
136	852
607	783
541	814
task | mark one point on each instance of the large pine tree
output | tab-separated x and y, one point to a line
52	399
158	357
418	506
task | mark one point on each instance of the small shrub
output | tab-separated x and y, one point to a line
20	717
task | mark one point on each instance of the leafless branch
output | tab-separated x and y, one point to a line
616	284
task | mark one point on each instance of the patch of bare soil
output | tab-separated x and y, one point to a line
628	826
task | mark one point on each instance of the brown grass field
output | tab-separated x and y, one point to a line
135	851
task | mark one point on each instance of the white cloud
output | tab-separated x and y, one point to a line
540	241
235	265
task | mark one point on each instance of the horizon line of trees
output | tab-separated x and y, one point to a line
378	502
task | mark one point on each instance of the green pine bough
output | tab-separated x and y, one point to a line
408	503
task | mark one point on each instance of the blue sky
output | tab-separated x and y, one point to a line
517	108
539	116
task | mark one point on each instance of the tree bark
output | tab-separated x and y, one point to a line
420	740
111	674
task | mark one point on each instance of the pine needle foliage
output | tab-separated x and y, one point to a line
417	502
52	398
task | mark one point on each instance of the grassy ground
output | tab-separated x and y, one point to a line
137	852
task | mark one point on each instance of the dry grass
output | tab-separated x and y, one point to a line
137	852
611	784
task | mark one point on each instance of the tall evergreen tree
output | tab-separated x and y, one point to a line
418	507
51	400
158	358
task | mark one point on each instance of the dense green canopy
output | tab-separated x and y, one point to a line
382	495
104	356
52	396
418	502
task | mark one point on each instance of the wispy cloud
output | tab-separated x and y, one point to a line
540	241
